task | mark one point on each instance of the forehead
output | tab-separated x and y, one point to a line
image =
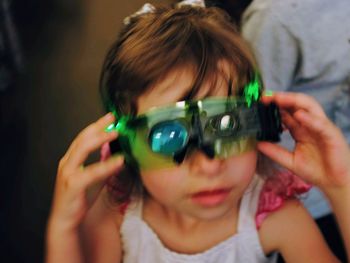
179	82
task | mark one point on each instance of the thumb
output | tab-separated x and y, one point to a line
277	153
94	176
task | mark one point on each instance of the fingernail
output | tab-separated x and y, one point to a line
268	93
109	115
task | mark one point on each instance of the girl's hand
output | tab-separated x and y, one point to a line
77	187
321	154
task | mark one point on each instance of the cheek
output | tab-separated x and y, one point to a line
164	185
243	167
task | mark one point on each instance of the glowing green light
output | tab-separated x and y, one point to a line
251	91
120	126
110	128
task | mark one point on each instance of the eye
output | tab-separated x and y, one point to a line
168	137
224	124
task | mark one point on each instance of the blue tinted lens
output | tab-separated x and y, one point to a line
168	137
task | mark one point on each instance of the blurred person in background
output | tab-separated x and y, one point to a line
303	46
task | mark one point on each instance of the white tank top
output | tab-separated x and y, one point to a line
141	244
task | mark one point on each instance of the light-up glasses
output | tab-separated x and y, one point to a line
219	127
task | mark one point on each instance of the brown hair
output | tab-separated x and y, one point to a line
153	44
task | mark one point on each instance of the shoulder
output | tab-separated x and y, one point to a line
293	232
269	8
276	14
277	224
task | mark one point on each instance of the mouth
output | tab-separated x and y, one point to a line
211	197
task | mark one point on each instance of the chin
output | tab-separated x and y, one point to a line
211	213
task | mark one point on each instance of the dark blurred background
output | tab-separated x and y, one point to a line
51	53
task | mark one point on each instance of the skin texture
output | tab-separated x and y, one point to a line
85	226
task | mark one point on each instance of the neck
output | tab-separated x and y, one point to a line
184	222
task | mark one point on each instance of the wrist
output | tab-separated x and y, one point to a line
57	227
60	243
340	194
64	222
55	233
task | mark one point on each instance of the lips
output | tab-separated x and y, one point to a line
211	198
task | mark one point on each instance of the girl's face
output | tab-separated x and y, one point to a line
200	187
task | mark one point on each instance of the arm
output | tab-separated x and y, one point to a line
321	155
73	198
340	202
293	232
274	46
100	232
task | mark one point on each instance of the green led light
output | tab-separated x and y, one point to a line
110	128
120	126
251	91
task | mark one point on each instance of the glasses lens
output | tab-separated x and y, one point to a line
225	148
168	137
222	125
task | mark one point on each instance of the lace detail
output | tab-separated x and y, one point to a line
283	186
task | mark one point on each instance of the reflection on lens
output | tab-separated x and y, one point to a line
226	148
223	124
168	137
227	123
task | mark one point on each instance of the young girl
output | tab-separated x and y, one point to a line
190	185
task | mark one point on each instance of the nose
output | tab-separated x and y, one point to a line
200	163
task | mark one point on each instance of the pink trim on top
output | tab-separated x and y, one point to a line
276	190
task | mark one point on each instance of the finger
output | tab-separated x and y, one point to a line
289	121
100	171
295	101
86	146
321	127
277	153
294	127
89	140
299	101
268	97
